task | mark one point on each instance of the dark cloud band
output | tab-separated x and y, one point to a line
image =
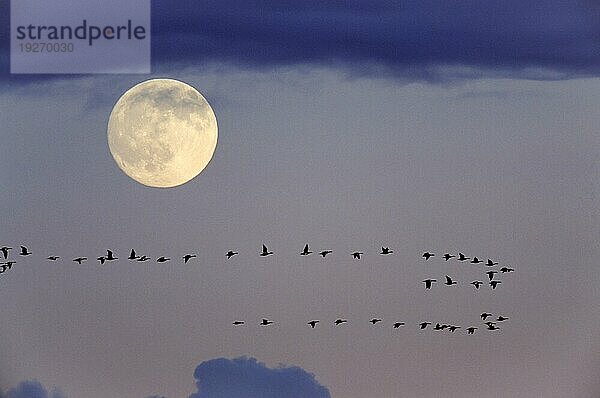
410	39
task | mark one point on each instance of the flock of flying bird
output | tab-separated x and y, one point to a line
491	325
461	257
133	256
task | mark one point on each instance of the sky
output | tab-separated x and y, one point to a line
421	126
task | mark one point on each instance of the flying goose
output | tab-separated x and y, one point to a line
485	315
357	255
385	251
476	284
428	283
109	256
230	254
265	252
306	251
428	255
132	255
5	250
187	257
448	256
449	281
490	274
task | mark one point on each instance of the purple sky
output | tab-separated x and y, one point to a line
478	134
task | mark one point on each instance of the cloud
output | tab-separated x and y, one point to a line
414	39
222	378
247	378
31	389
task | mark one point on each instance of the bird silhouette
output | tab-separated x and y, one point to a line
398	324
493	284
230	254
428	283
357	255
110	256
490	274
423	325
24	251
375	320
471	330
313	323
476	260
132	255
266	322
53	258
428	255
340	321
143	258
506	269
102	259
79	260
265	252
461	257
305	252
162	259
485	315
453	328
476	284
237	323
449	281
490	263
187	257
8	265
492	326
501	318
439	327
448	256
325	252
385	251
4	250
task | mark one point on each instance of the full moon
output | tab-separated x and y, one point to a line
162	133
